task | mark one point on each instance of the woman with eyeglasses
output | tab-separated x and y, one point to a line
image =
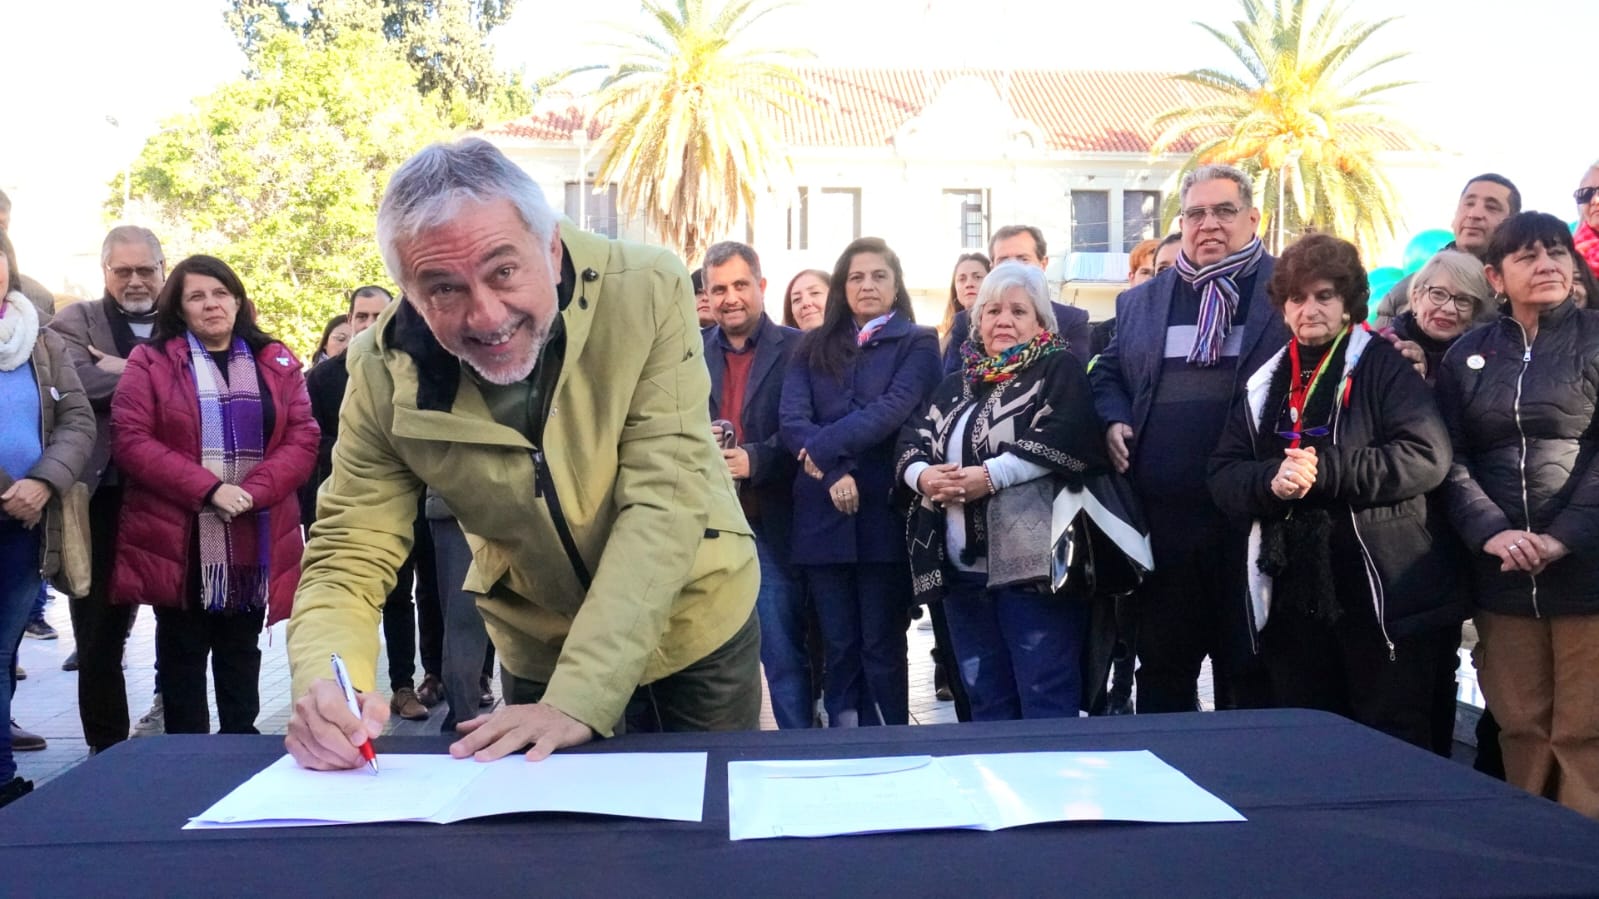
1448	296
1328	456
1520	398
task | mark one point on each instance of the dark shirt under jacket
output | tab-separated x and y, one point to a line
1177	410
767	493
325	383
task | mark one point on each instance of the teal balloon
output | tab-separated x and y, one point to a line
1424	245
1383	280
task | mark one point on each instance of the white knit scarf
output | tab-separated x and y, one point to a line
19	328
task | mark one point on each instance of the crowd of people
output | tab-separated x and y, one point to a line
539	453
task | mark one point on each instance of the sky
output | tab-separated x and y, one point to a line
1500	85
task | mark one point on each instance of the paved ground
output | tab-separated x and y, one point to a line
47	702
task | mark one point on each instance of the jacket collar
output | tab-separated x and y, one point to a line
767	340
1553	317
894	329
1259	383
273	360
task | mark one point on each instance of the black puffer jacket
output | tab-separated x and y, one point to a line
1522	423
1387	451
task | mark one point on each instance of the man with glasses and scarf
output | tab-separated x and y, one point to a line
1185	341
100	336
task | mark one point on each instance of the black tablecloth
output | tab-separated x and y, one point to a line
1333	809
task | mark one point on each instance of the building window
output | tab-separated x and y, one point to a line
1140	217
834	219
966	208
1090	221
593	209
799	221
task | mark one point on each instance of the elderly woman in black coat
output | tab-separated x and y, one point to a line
1519	397
1328	456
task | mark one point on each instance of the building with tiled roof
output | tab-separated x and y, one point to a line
933	161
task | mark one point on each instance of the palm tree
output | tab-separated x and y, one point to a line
693	114
1301	120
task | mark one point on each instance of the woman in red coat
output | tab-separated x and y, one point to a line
212	431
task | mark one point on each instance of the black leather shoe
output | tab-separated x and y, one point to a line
71	664
14	790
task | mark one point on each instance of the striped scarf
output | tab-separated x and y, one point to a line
1217	284
870	329
234	555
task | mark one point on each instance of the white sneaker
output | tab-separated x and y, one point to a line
153	724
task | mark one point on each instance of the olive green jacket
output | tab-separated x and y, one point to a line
642	488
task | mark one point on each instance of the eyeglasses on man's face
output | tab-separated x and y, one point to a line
1584	194
126	272
1225	213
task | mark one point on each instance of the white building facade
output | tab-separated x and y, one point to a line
934	162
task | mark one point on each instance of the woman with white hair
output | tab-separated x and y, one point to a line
1447	297
1014	425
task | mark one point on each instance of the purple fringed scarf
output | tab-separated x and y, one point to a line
1217	284
234	555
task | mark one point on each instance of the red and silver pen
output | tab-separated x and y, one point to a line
342	675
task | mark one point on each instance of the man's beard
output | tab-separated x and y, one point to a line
509	373
137	307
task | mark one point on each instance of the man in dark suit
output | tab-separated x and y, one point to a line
100	336
748	355
1185	342
1025	244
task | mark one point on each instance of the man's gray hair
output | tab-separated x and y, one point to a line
1464	272
5	202
1219	172
1014	274
722	253
430	187
122	234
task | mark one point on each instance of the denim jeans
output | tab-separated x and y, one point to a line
468	656
19	586
781	607
1019	650
863	611
43	599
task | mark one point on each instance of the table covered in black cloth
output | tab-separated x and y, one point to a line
1333	809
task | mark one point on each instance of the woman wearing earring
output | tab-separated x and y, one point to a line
853	382
1520	397
1328	457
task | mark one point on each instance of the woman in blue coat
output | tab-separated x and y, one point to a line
853	382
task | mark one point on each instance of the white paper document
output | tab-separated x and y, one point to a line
981	792
441	790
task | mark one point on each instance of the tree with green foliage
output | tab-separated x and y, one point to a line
1302	120
693	112
279	174
445	42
